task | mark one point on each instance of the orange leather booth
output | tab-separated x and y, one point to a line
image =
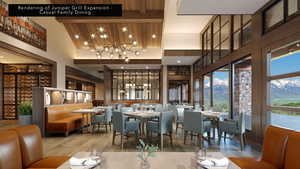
60	119
281	148
22	148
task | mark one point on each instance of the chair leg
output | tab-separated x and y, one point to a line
242	142
200	140
219	137
244	137
208	137
109	126
106	128
122	145
171	139
184	136
161	142
176	128
224	137
114	136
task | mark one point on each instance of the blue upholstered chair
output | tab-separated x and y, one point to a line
234	127
164	126
136	107
118	107
122	126
158	107
196	125
102	119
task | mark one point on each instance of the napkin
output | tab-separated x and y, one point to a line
214	162
83	161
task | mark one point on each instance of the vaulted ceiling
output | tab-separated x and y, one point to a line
142	18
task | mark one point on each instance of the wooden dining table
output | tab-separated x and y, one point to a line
162	160
86	116
143	116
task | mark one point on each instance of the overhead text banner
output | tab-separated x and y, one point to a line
65	10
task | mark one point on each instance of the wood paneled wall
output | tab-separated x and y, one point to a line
107	85
258	48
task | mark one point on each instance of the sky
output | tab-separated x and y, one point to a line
287	64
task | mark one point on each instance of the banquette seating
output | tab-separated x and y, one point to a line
60	119
280	151
22	148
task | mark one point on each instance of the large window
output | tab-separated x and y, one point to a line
207	91
280	12
196	91
136	85
221	89
242	89
284	86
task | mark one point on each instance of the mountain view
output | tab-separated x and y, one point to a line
283	92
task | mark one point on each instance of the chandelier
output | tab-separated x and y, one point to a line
115	51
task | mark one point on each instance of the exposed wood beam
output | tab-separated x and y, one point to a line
128	17
143	6
116	61
187	52
115	34
143	35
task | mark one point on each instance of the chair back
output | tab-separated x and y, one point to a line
158	108
274	146
166	122
117	107
136	106
197	106
292	152
10	150
118	121
31	144
126	109
193	121
108	114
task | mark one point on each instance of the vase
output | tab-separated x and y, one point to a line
25	119
145	164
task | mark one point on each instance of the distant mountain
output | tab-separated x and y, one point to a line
282	91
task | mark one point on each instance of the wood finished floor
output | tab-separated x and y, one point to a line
57	145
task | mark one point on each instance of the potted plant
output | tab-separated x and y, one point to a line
25	113
145	151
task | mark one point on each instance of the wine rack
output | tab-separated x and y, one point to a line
18	82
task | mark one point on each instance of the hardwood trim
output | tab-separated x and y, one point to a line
185	52
284	76
154	16
116	61
71	72
282	108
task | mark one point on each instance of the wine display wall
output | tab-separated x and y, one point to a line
18	83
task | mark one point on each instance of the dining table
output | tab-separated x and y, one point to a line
86	116
161	160
143	116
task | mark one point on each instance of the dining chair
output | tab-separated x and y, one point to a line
122	127
102	119
179	116
195	124
162	126
234	127
158	108
136	106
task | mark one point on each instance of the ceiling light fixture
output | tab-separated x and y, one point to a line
101	29
122	67
178	61
147	67
153	36
76	36
124	29
111	50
